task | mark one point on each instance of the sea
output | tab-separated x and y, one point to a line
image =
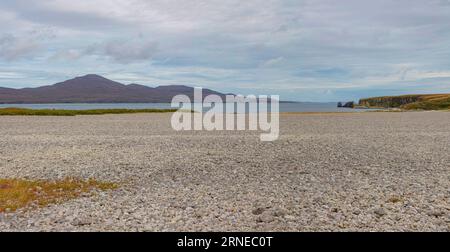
284	107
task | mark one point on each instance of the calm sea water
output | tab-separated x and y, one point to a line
284	107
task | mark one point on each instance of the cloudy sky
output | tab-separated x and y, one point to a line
306	50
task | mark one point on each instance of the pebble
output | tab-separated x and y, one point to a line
325	173
380	212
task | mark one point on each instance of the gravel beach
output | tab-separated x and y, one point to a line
369	171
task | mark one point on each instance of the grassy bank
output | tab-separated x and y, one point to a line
61	112
430	103
409	102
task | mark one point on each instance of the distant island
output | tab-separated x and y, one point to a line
404	102
96	89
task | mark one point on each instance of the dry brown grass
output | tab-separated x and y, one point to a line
395	199
17	193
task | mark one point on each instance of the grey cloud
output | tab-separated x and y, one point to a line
25	44
13	48
70	54
119	51
38	12
130	51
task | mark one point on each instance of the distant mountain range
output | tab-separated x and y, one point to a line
96	89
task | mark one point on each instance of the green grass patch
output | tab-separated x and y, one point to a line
62	112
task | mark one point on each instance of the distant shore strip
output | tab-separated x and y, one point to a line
63	112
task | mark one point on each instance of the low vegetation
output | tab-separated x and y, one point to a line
430	103
61	112
17	193
409	102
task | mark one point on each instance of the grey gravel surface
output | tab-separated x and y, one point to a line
327	172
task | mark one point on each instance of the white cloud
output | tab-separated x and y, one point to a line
11	75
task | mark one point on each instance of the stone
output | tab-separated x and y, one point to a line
258	211
436	213
379	212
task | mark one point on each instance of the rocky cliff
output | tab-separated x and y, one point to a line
425	102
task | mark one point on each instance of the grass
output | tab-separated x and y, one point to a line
61	112
17	193
410	102
440	103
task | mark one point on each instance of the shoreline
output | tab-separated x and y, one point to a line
64	112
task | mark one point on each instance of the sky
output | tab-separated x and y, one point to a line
302	50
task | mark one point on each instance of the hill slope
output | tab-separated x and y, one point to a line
96	89
409	102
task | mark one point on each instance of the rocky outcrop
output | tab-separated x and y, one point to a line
346	105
